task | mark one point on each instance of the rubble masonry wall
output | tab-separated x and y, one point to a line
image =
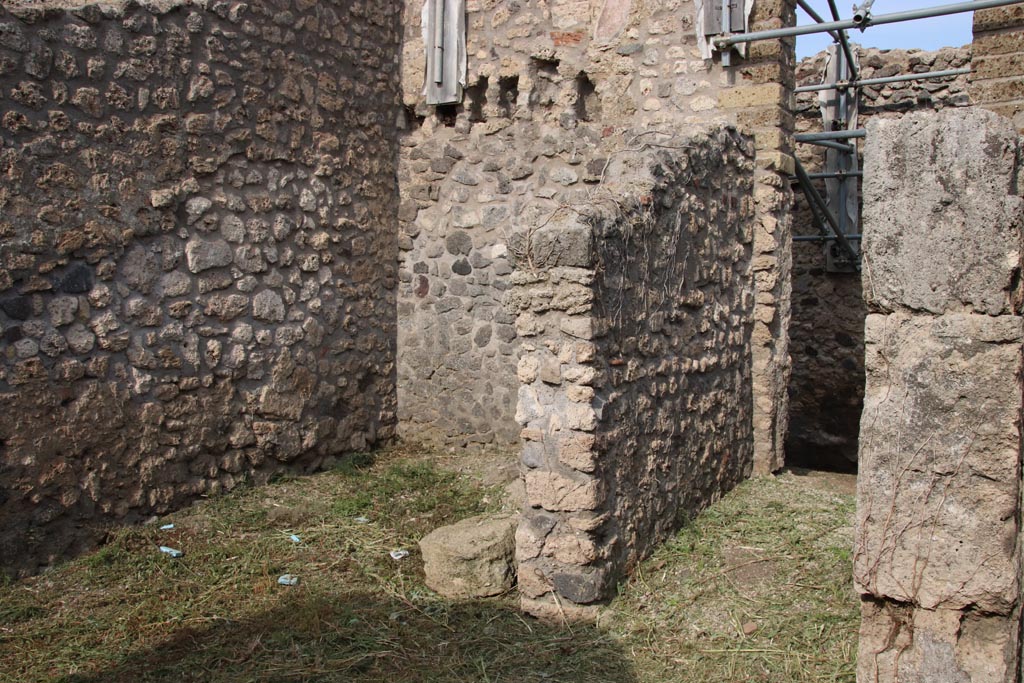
554	91
937	553
636	396
197	239
559	96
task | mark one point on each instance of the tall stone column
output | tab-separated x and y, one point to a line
938	503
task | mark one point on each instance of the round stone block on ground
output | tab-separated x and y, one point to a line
472	558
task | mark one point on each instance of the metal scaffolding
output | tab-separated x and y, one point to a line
882	81
836	214
867	20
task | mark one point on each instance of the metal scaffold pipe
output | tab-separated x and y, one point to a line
823	238
848	149
851	63
882	81
830	135
862	12
835	174
870	20
817	17
818	205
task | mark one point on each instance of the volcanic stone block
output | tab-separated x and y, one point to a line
939	485
935	179
904	645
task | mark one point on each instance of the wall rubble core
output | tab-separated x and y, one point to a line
197	240
937	555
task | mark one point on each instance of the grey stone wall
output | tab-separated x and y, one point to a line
938	502
197	243
636	317
826	389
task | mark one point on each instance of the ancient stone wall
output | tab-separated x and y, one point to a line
937	555
827	329
636	312
197	243
553	91
761	100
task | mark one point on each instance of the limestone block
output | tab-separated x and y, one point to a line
572	548
550	609
532	582
558	492
938	489
562	243
534	527
943	228
472	558
576	450
527	369
612	19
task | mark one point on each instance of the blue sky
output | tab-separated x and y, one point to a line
951	30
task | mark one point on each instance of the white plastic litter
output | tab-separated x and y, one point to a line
362	520
295	539
399	554
166	527
173	552
288	580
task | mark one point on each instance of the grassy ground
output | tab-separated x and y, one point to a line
756	589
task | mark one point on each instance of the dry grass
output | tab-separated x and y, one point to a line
130	613
757	588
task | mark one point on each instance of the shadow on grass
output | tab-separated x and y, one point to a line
328	636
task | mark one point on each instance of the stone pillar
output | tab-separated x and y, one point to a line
997	65
635	315
762	103
937	558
